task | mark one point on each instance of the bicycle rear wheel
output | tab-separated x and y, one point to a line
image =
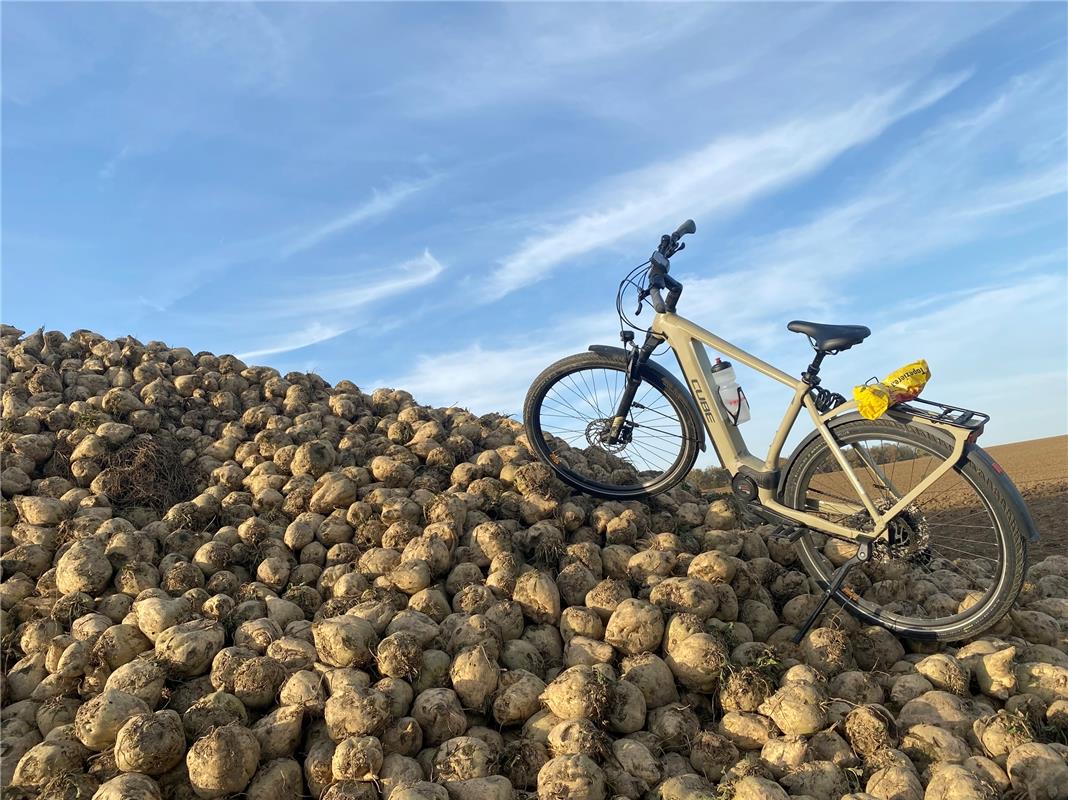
955	558
569	410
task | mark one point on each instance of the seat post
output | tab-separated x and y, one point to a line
811	376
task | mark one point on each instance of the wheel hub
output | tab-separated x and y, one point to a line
599	431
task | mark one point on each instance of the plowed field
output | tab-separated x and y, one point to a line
1039	468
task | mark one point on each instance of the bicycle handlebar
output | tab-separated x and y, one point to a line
689	226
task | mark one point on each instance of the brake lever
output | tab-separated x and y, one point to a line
641	301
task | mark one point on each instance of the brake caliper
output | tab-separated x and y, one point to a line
600	432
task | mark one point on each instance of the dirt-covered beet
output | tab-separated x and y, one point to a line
219	580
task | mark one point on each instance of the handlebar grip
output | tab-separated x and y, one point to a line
689	226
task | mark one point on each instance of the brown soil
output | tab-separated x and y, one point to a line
1039	468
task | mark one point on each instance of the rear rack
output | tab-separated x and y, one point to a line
948	415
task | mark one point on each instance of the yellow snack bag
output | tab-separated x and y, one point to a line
900	385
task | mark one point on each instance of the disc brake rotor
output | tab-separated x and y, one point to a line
907	534
597	433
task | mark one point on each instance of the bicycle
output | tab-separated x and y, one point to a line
941	554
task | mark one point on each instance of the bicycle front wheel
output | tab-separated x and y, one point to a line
955	558
568	413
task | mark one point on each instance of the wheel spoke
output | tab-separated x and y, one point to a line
965	552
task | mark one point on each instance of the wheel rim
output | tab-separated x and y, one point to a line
945	560
574	416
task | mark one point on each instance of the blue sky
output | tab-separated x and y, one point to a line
442	198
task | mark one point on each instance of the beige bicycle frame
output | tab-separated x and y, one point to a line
688	342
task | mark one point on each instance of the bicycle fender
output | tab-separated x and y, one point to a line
652	368
1010	490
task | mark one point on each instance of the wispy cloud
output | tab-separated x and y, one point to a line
1010	195
313	333
357	291
269	250
379	205
934	196
338	305
721	176
543	50
877	230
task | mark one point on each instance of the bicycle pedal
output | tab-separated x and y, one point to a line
787	532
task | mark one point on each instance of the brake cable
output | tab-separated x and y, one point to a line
632	279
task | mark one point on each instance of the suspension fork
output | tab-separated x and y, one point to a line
638	357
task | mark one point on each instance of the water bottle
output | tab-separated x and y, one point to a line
730	393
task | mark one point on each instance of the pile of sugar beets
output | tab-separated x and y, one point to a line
219	581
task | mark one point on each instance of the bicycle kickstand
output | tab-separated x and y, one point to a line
836	582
